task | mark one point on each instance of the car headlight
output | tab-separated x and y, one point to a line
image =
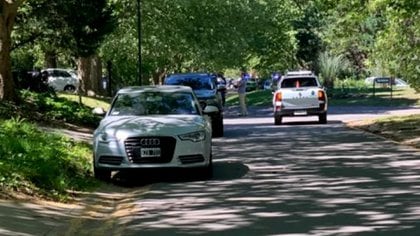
194	136
106	138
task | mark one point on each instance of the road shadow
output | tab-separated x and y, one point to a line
302	180
222	171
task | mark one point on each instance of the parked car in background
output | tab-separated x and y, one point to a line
62	79
153	127
267	84
383	81
205	87
251	84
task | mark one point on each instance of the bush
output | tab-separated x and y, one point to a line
32	161
55	108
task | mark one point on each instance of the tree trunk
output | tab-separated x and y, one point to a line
83	70
50	59
96	73
89	70
8	11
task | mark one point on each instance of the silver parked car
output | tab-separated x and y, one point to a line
153	127
62	79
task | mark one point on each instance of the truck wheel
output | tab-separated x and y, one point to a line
101	174
322	118
278	120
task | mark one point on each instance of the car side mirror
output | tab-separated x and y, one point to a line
99	111
210	109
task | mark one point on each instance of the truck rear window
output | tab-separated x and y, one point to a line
298	82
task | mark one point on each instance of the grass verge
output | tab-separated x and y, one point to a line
40	164
402	129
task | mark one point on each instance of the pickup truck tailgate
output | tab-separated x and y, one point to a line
300	98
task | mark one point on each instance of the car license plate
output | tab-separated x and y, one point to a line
300	113
150	152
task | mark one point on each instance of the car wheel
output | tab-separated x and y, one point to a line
322	118
278	120
217	125
101	174
209	169
206	173
69	88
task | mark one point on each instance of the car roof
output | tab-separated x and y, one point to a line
155	88
190	74
61	69
299	73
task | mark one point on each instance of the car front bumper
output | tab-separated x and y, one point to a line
175	153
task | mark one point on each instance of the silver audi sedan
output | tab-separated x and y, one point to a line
153	127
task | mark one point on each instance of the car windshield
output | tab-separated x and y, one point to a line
153	103
299	82
196	82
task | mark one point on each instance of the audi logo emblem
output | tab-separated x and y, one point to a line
150	142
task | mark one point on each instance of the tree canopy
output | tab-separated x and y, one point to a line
377	37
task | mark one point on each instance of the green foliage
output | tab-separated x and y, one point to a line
36	162
254	98
330	66
59	109
209	35
397	48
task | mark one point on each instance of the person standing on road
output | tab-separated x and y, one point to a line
221	81
242	93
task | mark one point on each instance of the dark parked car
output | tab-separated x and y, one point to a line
251	85
205	87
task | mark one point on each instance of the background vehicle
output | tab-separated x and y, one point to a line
205	87
251	85
397	82
153	127
299	93
267	84
62	79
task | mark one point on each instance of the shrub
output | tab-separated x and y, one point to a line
34	161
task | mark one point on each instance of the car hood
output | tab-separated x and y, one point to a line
122	127
204	93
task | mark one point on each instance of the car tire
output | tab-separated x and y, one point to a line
217	125
69	88
101	174
322	118
206	172
278	120
209	169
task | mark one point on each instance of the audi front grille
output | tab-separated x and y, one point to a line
134	145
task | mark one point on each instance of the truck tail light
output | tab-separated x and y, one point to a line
278	97
321	98
321	95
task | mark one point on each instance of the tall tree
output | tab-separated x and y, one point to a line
397	47
211	35
8	11
87	23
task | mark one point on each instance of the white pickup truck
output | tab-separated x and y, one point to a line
299	93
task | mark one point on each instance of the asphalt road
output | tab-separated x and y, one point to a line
300	178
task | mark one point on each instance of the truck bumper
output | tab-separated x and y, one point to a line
300	112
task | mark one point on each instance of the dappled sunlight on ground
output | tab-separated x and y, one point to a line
308	180
293	179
